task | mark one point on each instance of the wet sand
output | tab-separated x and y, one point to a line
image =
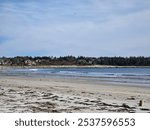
57	95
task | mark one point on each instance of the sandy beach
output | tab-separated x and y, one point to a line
36	94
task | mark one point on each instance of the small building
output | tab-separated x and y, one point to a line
30	63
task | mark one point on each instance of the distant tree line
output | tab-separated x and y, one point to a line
71	60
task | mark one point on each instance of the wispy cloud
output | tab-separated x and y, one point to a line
77	27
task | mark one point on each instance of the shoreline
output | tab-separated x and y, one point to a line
72	66
57	95
115	79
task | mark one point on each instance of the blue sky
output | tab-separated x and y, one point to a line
75	27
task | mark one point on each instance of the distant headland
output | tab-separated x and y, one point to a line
74	61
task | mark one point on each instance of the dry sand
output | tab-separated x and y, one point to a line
32	94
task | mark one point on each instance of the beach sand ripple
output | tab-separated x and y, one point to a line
38	95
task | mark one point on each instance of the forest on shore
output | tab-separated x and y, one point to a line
72	60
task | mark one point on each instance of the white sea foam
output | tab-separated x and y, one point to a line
33	69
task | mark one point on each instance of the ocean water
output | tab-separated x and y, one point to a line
114	75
